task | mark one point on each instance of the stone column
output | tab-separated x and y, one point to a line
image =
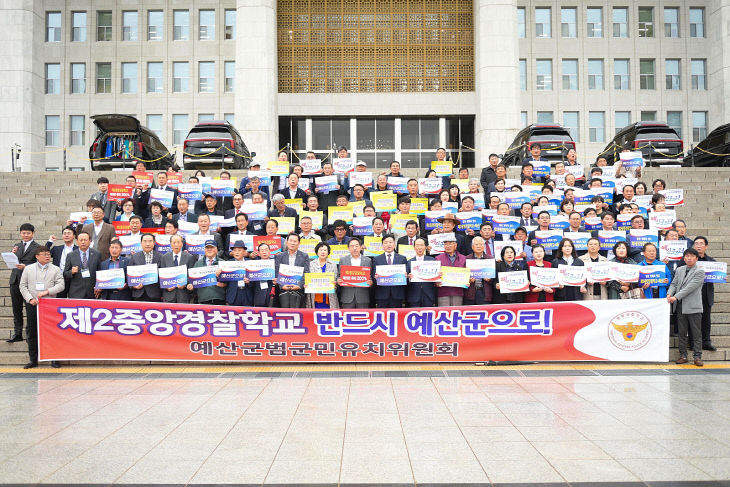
257	87
717	29
496	66
22	121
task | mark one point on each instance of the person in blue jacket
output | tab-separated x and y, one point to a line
650	258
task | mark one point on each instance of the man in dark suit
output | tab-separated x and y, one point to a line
150	292
115	261
80	269
101	233
102	196
237	204
411	234
420	294
389	296
279	209
238	293
60	253
174	258
184	213
25	251
291	295
355	297
293	191
242	229
204	225
162	184
526	219
225	203
535	154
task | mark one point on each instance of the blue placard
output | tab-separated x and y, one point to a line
607	243
504	227
638	241
551	242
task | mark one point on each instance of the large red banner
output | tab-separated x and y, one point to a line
621	330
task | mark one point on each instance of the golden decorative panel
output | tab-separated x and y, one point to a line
368	46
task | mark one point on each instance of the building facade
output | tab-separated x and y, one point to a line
389	79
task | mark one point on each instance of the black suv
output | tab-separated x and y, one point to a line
714	151
659	143
215	143
122	141
554	140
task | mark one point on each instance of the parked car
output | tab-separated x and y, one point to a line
122	140
714	151
659	143
208	136
554	139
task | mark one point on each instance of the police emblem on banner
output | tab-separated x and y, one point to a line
629	330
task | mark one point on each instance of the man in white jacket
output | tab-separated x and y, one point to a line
41	279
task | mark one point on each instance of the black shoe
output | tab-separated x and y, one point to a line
56	364
15	338
709	347
30	365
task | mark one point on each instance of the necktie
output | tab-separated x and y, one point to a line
83	260
176	261
390	259
411	241
184	217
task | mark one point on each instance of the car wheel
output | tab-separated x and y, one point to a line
237	162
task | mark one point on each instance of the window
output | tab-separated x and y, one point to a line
155	25
53	26
180	77
621	78
646	21
623	119
53	130
673	77
129	25
699	74
674	120
671	22
207	25
596	126
129	77
78	132
103	26
568	21
570	74
646	74
545	117
229	73
154	123
542	22
697	22
418	136
154	77
570	122
523	119
78	78
230	27
53	79
230	118
594	18
521	22
103	77
78	26
181	25
595	74
205	117
179	129
620	22
648	116
523	74
206	76
699	126
544	74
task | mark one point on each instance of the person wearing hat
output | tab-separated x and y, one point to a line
211	203
360	166
174	258
447	295
449	222
211	295
238	293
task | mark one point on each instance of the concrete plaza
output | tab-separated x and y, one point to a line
662	425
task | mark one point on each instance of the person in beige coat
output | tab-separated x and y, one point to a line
595	290
321	264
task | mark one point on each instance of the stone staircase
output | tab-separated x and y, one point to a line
46	199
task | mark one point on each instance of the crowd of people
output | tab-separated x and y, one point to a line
454	220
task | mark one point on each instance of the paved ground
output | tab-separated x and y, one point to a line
397	425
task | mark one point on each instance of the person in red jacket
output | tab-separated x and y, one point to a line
539	294
447	295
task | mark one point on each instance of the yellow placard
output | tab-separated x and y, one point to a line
398	222
407	251
358	207
455	276
337	252
279	168
286	224
442	168
373	245
316	216
384	202
319	282
295	203
335	213
307	245
463	184
419	206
